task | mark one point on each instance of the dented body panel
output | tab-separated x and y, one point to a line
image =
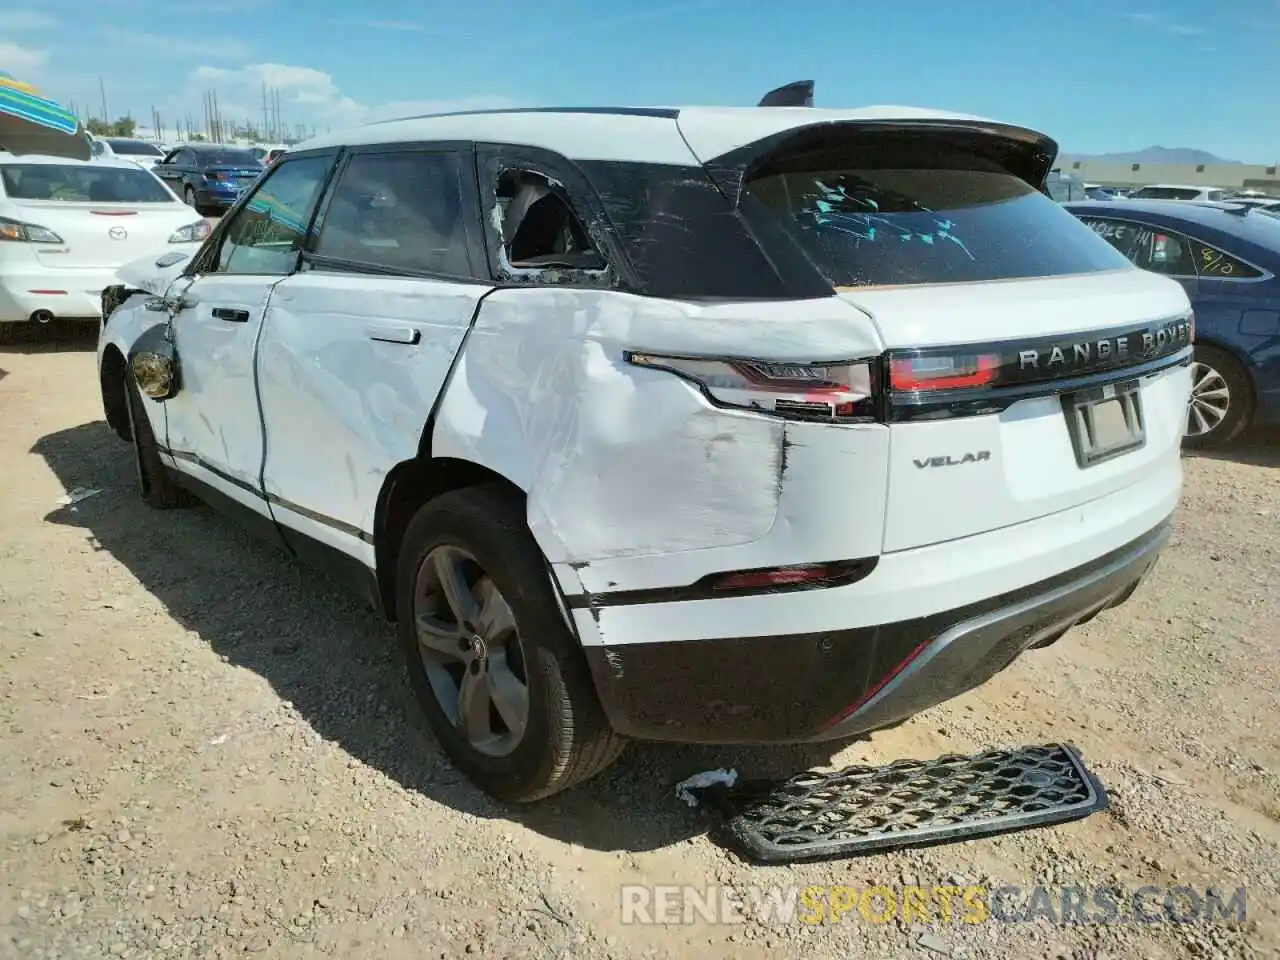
623	463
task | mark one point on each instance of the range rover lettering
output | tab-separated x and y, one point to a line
633	420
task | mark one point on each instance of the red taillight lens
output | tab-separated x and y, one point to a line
215	175
944	373
1191	326
841	391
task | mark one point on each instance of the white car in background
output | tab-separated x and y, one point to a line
142	152
1177	191
66	226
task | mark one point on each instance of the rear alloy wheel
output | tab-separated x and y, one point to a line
189	197
1221	399
495	667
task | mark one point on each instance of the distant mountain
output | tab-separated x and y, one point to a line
1173	155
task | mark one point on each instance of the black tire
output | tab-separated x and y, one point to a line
155	484
567	738
1231	375
189	198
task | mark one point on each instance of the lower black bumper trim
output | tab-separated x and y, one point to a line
804	687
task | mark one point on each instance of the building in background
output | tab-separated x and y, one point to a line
1228	176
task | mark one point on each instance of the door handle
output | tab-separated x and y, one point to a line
393	333
231	315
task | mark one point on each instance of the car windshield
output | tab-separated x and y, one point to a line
932	219
90	183
239	158
135	148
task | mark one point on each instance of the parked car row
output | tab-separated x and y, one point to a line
1227	257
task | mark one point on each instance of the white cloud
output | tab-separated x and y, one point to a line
311	96
22	21
21	62
1167	26
173	46
397	26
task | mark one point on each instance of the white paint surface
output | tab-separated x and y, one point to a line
342	405
620	461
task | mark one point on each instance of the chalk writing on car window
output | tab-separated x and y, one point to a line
831	210
1215	263
1110	230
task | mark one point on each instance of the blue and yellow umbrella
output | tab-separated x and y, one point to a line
31	124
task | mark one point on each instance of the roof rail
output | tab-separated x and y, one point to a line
797	94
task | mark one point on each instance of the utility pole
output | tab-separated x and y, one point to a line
102	89
266	122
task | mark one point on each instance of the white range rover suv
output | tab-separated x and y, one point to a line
706	425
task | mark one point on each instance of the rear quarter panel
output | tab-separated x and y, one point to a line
622	462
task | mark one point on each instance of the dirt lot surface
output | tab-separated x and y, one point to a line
208	751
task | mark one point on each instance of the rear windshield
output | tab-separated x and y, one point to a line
1165	193
941	218
90	183
240	158
135	148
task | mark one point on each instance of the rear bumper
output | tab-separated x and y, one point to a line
69	294
210	198
794	688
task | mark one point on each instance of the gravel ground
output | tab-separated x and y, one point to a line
207	751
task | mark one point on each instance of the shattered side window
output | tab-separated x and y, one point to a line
937	223
542	238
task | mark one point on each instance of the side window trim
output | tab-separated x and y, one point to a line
464	151
209	254
1132	251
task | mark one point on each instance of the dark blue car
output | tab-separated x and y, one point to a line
1228	259
207	176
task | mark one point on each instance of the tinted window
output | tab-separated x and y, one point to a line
94	183
135	148
398	211
243	158
1162	251
1118	233
1212	262
267	232
946	218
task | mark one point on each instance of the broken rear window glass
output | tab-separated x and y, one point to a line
936	217
539	229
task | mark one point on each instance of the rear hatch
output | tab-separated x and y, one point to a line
104	214
1030	367
103	235
232	177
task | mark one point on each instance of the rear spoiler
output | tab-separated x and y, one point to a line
797	94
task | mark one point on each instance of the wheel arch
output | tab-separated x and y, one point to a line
407	487
111	374
1241	359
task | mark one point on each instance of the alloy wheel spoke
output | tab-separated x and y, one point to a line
438	637
495	618
453	586
473	707
509	694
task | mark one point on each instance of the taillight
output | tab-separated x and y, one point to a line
832	392
26	232
215	175
944	373
1191	326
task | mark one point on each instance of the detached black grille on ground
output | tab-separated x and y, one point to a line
908	803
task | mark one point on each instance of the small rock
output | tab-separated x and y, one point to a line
934	943
124	836
41	838
117	949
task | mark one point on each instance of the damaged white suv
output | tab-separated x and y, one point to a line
705	425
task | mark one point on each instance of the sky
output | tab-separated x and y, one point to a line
1096	75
